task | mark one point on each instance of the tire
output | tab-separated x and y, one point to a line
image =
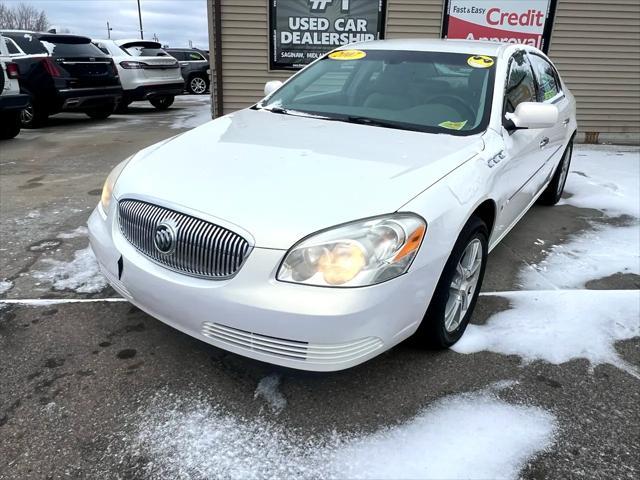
438	329
163	102
197	85
100	113
9	124
33	116
553	193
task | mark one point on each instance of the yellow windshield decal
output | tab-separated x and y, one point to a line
480	61
453	125
347	55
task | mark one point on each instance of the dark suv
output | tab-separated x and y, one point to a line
63	73
194	65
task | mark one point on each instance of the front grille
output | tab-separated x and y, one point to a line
291	349
200	249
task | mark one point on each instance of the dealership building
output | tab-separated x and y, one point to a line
595	45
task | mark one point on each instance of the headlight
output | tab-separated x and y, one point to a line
109	183
361	253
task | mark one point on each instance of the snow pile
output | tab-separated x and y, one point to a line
559	326
465	436
5	286
267	389
81	274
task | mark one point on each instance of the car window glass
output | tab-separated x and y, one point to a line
139	51
178	55
195	56
12	47
63	49
546	77
425	91
520	83
29	44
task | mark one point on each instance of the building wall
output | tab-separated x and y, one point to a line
595	44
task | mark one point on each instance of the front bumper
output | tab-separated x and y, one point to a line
252	314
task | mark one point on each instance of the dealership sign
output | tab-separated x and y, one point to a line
527	22
304	30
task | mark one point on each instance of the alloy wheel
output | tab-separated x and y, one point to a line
198	85
463	285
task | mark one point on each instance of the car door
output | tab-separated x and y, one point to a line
522	160
549	91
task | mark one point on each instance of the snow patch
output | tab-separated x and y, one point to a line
81	274
595	254
605	178
268	390
5	286
78	232
465	436
559	326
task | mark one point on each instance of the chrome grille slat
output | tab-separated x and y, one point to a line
203	249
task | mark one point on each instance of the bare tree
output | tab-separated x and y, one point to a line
23	17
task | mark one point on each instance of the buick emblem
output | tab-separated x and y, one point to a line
165	237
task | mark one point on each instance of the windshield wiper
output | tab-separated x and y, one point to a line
274	109
379	123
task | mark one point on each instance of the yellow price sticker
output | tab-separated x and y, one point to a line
453	125
347	55
480	61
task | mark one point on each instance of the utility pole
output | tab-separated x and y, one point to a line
108	30
140	19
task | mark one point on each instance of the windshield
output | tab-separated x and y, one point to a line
424	91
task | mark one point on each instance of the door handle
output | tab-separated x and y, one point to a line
544	142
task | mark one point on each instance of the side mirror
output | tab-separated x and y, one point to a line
271	87
533	115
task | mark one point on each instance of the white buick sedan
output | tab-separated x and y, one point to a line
353	207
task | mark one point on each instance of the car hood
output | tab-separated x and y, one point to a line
282	177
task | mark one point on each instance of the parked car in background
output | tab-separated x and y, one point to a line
12	102
360	206
194	65
63	73
146	71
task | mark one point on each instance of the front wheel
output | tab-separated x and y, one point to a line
457	291
9	124
163	102
553	192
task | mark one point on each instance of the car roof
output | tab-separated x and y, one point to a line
433	45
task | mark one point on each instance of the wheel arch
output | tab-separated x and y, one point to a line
486	211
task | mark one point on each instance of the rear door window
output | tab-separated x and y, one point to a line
521	85
194	56
178	55
547	78
12	47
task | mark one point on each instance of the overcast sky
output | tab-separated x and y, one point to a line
174	21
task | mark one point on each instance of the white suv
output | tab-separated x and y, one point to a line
11	101
146	71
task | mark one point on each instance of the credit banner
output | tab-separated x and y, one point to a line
518	21
304	30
